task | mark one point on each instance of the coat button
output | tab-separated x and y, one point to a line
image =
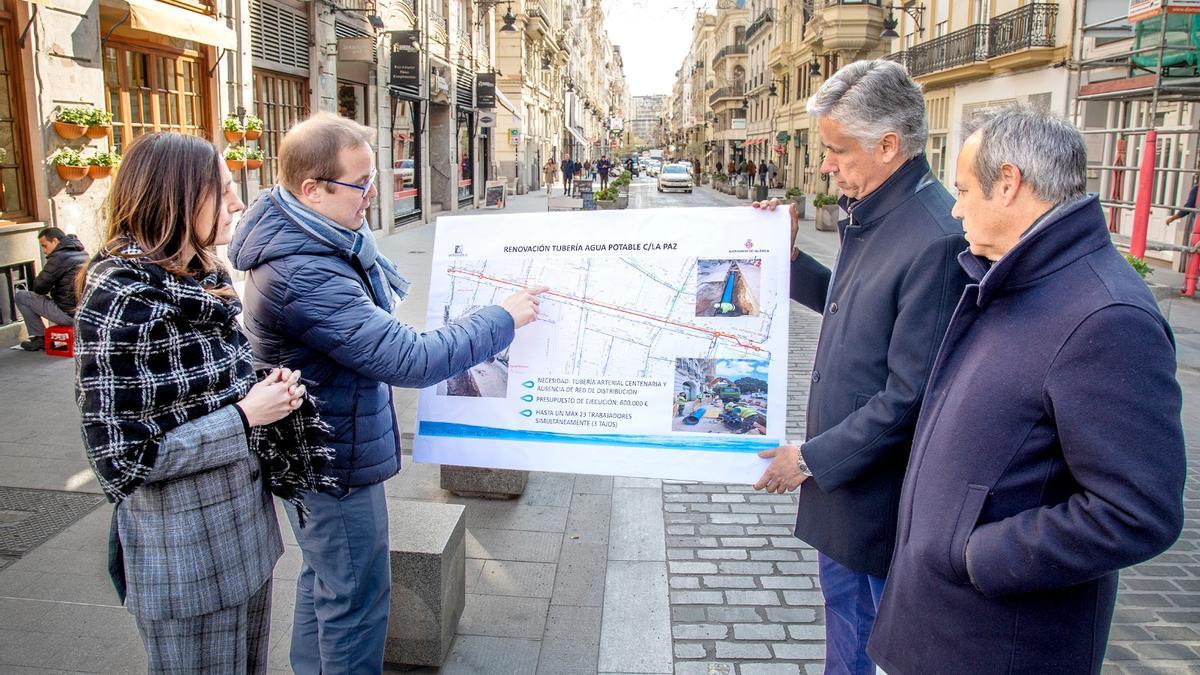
833	308
816	377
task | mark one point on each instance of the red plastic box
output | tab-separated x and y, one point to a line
60	341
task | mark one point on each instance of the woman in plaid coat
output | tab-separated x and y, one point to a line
177	426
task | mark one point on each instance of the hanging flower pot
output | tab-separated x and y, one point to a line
96	172
235	131
235	165
254	158
98	130
254	128
235	158
234	136
68	131
253	164
66	172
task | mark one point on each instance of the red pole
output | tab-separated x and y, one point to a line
1193	267
1141	207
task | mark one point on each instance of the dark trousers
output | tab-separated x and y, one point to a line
603	180
851	600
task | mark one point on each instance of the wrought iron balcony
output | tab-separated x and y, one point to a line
767	16
737	48
960	48
735	90
1030	26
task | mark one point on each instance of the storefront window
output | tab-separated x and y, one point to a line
466	157
153	91
406	161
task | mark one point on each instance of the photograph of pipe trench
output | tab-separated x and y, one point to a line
488	379
728	288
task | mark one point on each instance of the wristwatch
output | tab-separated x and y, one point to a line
801	464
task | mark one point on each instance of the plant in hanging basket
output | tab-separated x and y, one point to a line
254	128
69	164
235	157
71	123
99	122
254	158
234	129
101	164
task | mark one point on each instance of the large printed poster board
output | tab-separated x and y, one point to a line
660	351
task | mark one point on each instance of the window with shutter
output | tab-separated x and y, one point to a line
280	36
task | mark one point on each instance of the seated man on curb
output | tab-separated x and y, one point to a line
51	296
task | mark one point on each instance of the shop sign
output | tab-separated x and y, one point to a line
485	91
405	78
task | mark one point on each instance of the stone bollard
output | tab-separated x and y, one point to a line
428	552
469	481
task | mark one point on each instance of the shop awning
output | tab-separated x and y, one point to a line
159	17
507	104
578	137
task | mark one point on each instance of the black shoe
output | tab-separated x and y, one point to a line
34	344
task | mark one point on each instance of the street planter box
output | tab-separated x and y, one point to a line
827	218
606	204
742	191
800	203
623	200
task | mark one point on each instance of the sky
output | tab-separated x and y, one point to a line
654	36
738	368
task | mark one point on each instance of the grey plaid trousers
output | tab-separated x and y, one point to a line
228	641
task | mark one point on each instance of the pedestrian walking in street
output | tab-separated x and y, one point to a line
772	172
1188	203
762	173
587	172
549	170
1010	541
568	173
183	435
320	299
749	170
731	169
51	295
603	168
886	304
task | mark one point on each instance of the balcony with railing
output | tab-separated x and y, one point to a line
735	90
767	16
728	50
1030	26
960	48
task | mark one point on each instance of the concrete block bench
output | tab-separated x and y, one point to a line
470	481
429	557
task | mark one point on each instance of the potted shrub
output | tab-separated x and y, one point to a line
71	123
827	212
606	199
254	128
69	164
234	130
101	164
235	158
796	196
254	158
99	122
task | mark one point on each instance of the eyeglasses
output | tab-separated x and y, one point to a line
365	187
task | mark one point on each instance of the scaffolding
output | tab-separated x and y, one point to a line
1150	126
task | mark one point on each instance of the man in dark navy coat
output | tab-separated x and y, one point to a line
1049	453
886	304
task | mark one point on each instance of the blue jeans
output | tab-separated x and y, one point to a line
851	599
345	583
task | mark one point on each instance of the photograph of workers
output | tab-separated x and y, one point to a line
720	396
728	288
488	379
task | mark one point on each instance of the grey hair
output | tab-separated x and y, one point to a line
1048	150
871	98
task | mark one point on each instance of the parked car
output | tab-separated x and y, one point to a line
675	177
653	168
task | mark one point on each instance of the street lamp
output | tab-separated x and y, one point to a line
890	23
814	69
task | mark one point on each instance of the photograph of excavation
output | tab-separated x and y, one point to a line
488	379
720	396
728	288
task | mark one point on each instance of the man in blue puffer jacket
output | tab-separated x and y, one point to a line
318	299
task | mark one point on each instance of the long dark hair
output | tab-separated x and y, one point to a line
164	181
